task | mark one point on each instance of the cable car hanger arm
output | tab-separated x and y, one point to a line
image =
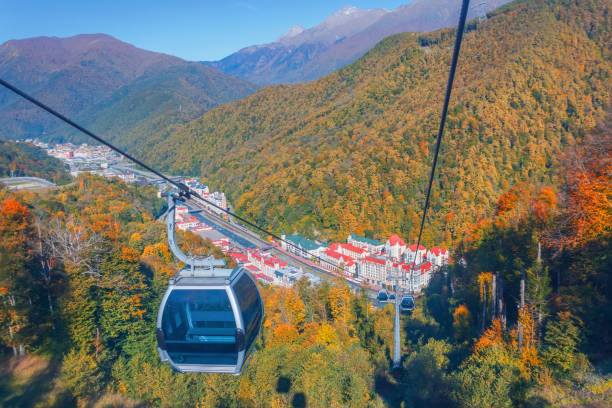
208	262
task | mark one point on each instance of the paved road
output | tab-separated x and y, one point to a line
21	183
247	239
143	173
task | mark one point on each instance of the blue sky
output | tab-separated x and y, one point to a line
190	29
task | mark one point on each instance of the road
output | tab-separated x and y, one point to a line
23	183
247	239
145	174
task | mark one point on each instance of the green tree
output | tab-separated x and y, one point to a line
561	341
81	373
425	379
488	378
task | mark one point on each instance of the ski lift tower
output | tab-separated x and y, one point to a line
397	339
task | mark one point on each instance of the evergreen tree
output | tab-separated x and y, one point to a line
561	344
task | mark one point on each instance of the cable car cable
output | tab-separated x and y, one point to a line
449	88
185	190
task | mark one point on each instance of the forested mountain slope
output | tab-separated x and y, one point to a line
22	159
351	151
108	85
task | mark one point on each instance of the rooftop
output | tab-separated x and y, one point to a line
353	248
366	240
396	240
437	251
303	242
375	260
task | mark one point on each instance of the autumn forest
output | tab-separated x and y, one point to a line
521	317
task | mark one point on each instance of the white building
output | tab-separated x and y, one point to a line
349	250
180	211
219	200
337	262
395	247
372	246
196	186
271	264
373	270
187	224
421	276
301	246
288	275
438	256
411	253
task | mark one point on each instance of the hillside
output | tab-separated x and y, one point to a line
80	332
22	159
307	54
351	151
106	84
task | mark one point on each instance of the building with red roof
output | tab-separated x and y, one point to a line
395	247
411	253
336	262
411	277
372	246
239	257
187	224
334	246
252	268
264	278
421	276
374	270
224	244
255	258
272	264
438	256
353	251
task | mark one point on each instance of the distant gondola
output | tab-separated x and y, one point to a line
383	296
407	304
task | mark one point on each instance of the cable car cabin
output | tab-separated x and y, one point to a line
208	324
407	304
383	296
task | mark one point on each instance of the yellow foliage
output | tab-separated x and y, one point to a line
339	298
462	319
327	335
529	351
284	334
160	250
129	255
492	336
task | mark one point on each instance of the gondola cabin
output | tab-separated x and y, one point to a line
407	304
383	296
208	324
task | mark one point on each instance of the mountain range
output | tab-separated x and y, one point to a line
306	54
350	152
107	85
